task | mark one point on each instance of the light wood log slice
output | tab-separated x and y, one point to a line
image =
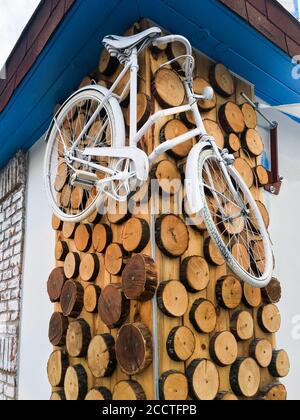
140	278
99	394
89	267
55	284
118	213
58	396
194	220
86	81
122	85
280	364
58	327
272	293
229	292
251	296
71	299
226	396
134	348
231	118
61	177
175	50
56	223
269	318
78	198
158	49
61	250
96	216
245	377
265	215
261	351
252	142
114	259
141	196
203	379
194	273
78	338
212	128
257	251
168	88
173	386
172	236
273	392
262	176
128	391
72	265
223	348
172	129
101	356
242	325
91	297
113	307
212	253
199	84
76	383
235	225
172	298
181	344
241	255
83	237
143	110
245	170
168	177
102	237
233	143
203	316
69	229
136	235
107	65
57	367
222	80
250	116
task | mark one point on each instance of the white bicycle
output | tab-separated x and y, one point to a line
87	160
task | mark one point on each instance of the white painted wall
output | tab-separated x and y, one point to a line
285	232
36	307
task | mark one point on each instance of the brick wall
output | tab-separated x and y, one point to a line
12	215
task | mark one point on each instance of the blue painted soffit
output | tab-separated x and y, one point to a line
74	50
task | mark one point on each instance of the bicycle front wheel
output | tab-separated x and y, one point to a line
234	221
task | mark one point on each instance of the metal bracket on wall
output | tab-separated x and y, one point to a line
275	180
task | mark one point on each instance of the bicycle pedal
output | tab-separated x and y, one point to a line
84	180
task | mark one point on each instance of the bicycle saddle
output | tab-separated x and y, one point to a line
115	43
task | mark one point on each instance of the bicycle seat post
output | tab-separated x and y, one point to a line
134	67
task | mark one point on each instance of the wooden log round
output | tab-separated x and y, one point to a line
173	386
261	351
61	250
203	316
250	116
65	196
134	348
245	377
172	129
280	364
212	253
102	237
233	225
233	143
168	177
203	379
140	278
71	299
61	177
199	84
172	298
69	229
223	348
57	367
58	327
78	338
96	216
113	307
226	396
55	284
114	259
78	197
108	65
175	50
56	223
83	237
272	292
194	273
143	110
264	213
273	392
168	88
251	296
269	318
229	292
76	383
72	265
58	396
212	128
181	344
99	394
91	297
231	118
101	356
222	80
262	176
245	170
118	213
128	391
257	251
172	236
252	142
89	267
136	235
242	325
241	254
